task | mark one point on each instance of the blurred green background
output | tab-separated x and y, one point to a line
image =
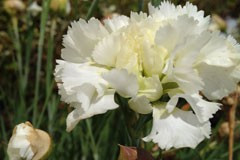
31	41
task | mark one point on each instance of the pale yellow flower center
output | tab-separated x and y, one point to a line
142	57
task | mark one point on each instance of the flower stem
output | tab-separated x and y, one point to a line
94	147
44	17
91	9
156	2
134	122
129	118
232	125
140	5
49	82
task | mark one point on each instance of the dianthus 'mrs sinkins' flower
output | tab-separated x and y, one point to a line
28	143
170	52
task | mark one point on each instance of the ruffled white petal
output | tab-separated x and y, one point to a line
195	59
106	51
153	58
174	32
138	17
183	50
187	79
164	10
216	65
97	106
73	75
150	87
116	23
82	86
203	109
125	83
218	81
192	11
167	11
215	52
177	129
236	73
81	39
233	46
140	104
234	49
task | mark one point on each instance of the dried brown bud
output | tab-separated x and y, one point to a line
14	6
127	153
224	129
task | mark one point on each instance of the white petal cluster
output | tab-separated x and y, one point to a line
144	57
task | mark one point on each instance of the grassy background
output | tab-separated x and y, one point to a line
29	46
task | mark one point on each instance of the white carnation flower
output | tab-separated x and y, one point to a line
143	57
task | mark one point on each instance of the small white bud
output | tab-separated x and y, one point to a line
28	143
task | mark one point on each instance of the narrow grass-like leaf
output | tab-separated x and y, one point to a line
91	9
44	17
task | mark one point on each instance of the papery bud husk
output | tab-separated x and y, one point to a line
40	142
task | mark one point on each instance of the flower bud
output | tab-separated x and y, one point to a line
28	143
14	6
34	9
217	23
60	6
224	129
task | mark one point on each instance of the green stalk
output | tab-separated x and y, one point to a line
44	107
27	59
94	147
3	134
130	119
49	68
84	144
156	2
3	129
28	50
51	113
17	45
44	17
140	5
91	9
